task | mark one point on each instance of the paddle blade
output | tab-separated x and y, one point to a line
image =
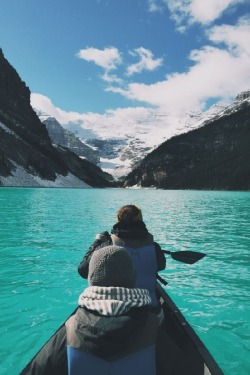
189	257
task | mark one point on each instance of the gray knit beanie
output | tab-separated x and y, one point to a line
111	266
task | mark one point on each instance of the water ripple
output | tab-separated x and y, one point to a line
45	232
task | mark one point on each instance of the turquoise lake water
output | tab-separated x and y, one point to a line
44	234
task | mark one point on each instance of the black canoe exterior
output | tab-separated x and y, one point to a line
200	361
177	327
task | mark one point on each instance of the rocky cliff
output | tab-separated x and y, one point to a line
66	138
25	144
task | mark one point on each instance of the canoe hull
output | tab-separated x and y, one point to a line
177	327
199	359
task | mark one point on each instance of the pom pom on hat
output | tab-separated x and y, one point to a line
111	266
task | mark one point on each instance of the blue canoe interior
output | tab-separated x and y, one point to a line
200	360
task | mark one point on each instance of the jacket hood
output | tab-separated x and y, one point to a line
108	337
134	229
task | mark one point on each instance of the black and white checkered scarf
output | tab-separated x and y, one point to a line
113	301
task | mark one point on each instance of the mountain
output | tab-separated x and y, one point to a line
66	138
122	145
27	156
116	152
201	151
214	156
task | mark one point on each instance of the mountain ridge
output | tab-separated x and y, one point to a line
121	153
66	138
212	146
26	151
215	156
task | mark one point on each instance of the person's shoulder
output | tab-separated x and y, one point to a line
150	237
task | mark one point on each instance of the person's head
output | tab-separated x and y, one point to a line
111	266
129	213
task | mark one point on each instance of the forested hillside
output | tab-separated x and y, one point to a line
216	156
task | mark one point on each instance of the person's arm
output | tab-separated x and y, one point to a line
160	258
102	239
51	359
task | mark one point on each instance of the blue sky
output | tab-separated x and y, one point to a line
111	56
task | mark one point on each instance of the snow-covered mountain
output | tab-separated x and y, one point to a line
66	138
122	145
212	157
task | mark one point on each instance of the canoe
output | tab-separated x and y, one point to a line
199	359
183	334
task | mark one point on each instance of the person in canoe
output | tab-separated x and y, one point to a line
112	331
131	232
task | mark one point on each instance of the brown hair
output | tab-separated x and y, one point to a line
129	213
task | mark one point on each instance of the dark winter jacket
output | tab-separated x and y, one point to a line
146	254
90	343
134	234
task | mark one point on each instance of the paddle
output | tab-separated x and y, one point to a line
189	257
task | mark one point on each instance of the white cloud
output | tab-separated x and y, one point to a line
208	11
43	103
146	62
235	38
108	58
154	6
114	123
218	71
215	73
111	78
190	11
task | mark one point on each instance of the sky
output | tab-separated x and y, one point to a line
127	59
